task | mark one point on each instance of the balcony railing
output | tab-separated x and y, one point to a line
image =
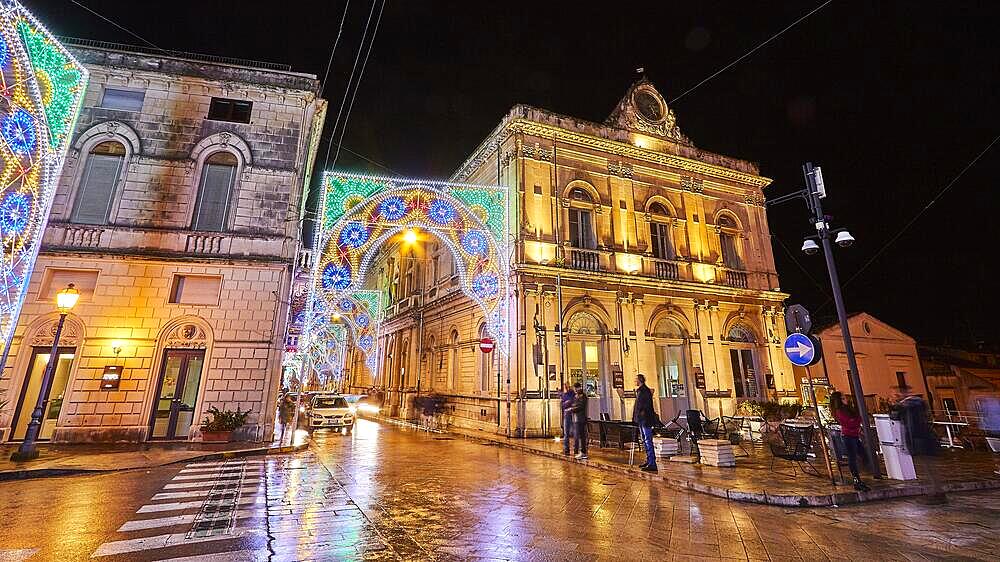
666	270
585	260
736	279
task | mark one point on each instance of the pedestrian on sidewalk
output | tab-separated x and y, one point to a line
644	416
286	411
850	428
579	412
566	399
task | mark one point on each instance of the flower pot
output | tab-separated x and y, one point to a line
216	436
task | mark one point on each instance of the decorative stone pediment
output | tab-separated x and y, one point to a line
72	334
644	110
187	336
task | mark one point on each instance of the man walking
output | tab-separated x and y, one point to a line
566	398
644	416
579	413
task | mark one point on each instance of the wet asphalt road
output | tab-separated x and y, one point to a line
386	493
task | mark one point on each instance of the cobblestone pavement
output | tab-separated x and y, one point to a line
386	493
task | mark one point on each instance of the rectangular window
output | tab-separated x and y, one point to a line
93	198
55	280
950	408
125	100
224	109
196	289
538	190
730	256
901	380
581	232
660	239
213	198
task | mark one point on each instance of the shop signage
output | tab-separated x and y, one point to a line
111	377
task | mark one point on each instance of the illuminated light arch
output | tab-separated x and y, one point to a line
41	89
360	213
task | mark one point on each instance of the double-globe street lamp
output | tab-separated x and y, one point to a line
813	193
66	299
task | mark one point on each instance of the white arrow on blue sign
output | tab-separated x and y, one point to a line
801	350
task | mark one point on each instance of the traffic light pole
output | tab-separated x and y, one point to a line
823	231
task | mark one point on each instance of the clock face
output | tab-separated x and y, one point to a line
648	106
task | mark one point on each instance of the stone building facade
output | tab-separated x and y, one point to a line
633	252
178	218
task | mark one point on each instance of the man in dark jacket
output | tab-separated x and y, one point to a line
579	413
644	416
566	399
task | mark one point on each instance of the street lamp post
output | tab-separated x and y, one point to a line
813	194
65	301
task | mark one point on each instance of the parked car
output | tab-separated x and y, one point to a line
331	411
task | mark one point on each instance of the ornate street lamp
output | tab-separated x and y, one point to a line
66	299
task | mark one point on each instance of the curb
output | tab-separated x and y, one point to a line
32	473
784	500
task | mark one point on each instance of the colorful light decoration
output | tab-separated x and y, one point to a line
360	213
40	95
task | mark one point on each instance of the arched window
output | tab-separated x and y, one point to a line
659	233
581	220
728	243
668	328
218	176
453	366
97	186
740	333
584	323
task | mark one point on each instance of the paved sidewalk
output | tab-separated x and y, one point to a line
753	481
69	459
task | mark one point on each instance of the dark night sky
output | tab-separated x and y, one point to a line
893	99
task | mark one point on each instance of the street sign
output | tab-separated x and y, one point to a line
801	350
486	345
797	319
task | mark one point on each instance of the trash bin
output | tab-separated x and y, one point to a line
898	462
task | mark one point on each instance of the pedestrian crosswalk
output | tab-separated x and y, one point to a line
209	511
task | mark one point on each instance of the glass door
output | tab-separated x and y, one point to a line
745	384
671	380
33	385
584	358
180	379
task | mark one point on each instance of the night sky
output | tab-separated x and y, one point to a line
892	99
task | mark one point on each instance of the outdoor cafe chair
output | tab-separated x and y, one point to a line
795	446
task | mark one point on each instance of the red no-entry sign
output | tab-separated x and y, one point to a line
486	345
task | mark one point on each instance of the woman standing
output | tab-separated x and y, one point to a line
850	428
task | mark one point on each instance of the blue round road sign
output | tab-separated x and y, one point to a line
800	349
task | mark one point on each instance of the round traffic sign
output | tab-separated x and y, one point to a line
486	345
801	350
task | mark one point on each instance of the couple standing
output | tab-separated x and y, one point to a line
574	406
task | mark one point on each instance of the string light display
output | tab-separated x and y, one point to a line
361	213
41	89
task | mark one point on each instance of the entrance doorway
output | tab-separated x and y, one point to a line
671	380
180	378
585	359
32	386
743	360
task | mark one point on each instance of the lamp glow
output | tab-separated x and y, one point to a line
67	298
410	236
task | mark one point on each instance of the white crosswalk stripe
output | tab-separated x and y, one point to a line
204	484
172	539
221	505
160	522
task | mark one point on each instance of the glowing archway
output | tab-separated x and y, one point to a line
360	213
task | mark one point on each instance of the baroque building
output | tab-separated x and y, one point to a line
177	217
632	252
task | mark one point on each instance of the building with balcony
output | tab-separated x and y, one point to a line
177	217
633	252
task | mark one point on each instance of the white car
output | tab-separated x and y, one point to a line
331	411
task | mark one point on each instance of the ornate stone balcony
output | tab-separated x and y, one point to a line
61	236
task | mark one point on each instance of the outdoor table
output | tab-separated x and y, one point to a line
745	424
947	428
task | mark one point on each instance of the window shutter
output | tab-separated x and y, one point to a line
730	257
586	230
93	199
574	228
213	198
196	289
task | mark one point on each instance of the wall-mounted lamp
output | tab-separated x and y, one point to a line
116	347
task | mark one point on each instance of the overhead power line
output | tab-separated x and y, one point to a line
333	51
750	52
121	27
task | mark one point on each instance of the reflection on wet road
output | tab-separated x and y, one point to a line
386	493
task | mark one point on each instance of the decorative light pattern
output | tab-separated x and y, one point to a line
41	88
361	213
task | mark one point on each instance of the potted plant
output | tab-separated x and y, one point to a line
220	428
